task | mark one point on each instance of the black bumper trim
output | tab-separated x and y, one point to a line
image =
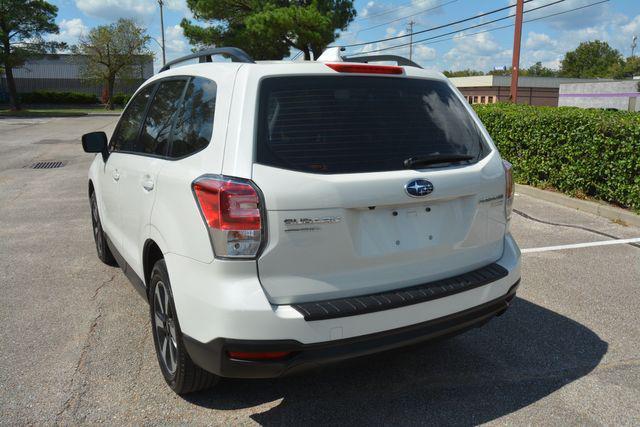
214	355
362	304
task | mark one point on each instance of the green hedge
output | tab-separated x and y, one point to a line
121	99
52	97
592	153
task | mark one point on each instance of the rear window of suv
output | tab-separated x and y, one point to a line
350	124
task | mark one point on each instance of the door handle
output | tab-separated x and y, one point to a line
147	184
115	174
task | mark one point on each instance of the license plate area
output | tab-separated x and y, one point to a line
391	229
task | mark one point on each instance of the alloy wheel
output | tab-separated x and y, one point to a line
97	231
165	328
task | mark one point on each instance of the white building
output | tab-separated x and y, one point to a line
619	95
62	73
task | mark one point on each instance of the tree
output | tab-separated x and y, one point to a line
537	70
268	29
463	73
23	23
589	60
113	52
500	72
627	70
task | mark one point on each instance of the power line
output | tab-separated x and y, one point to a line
389	22
404	17
439	26
511	25
463	29
489	30
482	24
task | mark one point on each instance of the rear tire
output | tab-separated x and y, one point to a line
179	371
99	237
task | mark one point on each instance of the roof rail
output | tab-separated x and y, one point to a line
236	55
400	60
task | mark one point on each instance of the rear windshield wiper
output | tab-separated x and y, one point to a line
435	159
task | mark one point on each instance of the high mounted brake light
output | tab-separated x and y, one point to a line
231	210
365	68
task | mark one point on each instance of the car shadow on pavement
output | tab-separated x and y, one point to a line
509	363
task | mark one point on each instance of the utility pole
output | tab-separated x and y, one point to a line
515	64
410	29
164	58
634	43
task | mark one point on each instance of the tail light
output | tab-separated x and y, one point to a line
510	189
231	209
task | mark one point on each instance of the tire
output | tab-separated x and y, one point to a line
179	371
104	253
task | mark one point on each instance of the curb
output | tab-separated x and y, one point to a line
597	208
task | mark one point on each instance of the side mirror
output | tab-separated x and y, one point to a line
96	142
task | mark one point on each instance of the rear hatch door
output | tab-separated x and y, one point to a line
346	214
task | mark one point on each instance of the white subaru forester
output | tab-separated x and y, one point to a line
280	215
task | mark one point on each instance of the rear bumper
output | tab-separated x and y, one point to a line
214	355
223	303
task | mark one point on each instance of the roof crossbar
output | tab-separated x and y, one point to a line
236	55
400	60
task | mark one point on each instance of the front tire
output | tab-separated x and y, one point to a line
179	371
104	253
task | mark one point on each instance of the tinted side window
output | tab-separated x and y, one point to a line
126	135
194	126
157	126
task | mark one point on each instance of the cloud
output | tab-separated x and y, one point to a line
175	40
554	36
179	5
478	52
112	10
567	21
70	31
538	40
421	54
632	28
379	11
617	30
377	14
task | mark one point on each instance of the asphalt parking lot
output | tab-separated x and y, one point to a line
77	347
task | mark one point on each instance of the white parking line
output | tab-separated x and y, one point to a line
581	245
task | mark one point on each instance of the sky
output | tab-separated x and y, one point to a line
545	39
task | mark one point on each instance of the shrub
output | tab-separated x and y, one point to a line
52	97
580	152
121	99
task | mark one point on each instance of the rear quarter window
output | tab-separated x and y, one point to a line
193	128
164	107
350	124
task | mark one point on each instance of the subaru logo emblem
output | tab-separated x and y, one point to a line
418	188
